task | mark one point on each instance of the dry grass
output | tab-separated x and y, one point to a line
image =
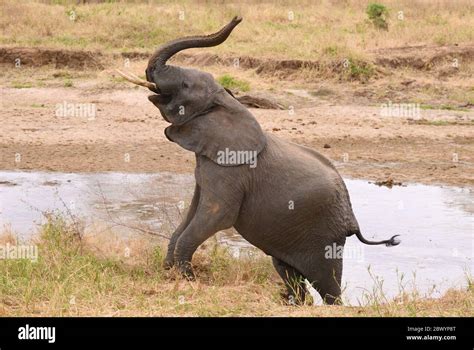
319	29
102	275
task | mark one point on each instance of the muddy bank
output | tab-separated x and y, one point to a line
422	56
126	134
428	58
38	57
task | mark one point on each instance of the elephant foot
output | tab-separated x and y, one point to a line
168	264
330	300
186	270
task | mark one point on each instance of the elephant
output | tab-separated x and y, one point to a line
285	199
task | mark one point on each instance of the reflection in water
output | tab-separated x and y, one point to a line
435	223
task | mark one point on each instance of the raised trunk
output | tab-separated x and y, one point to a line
159	58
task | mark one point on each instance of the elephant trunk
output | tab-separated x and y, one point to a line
159	58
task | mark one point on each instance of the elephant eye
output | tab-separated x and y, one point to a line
185	85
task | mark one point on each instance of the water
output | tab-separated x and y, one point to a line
435	223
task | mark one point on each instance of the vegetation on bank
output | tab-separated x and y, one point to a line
102	275
290	30
232	83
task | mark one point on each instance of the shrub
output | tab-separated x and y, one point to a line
378	14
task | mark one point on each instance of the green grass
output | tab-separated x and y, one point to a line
232	83
441	122
77	275
63	74
444	107
37	105
68	268
21	85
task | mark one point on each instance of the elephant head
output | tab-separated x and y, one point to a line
204	117
182	94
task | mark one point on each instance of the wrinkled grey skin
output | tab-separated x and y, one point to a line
292	205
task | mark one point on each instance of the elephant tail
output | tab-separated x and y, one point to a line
393	241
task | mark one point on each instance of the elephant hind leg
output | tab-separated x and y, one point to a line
294	281
327	281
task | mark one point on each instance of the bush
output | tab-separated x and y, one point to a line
378	14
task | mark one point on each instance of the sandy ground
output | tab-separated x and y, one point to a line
127	131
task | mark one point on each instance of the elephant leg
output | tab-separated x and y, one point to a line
327	281
212	214
294	281
169	260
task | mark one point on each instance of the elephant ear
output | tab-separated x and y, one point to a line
228	133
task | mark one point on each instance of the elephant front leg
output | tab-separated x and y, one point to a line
211	215
169	259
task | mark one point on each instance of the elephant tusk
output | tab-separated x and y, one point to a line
136	80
